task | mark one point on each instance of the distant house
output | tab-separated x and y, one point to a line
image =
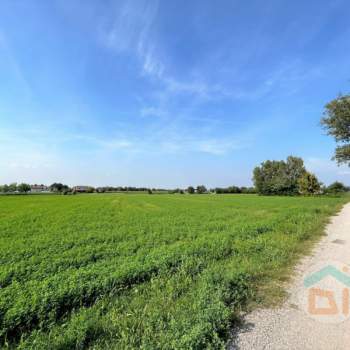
81	188
39	188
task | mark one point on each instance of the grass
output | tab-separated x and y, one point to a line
113	271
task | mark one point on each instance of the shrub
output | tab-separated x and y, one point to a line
337	187
308	184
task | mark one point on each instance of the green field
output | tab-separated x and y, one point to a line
144	271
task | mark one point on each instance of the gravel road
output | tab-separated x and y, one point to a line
291	326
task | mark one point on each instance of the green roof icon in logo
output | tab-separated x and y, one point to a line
329	270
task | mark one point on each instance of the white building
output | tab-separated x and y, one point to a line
39	188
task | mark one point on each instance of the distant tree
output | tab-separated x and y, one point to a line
58	187
12	187
233	189
23	188
248	190
90	190
190	189
278	177
149	191
336	187
308	184
201	189
5	188
336	121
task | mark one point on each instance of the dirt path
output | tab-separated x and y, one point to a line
290	326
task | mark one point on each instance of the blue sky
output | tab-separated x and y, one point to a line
167	93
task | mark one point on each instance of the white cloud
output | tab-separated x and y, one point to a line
217	147
130	24
131	28
131	31
152	112
113	144
166	142
150	65
13	66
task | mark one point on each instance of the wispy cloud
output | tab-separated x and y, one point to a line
14	67
106	143
288	77
168	141
174	145
129	24
151	66
131	29
153	112
213	147
218	147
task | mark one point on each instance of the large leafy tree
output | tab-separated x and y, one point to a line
279	177
336	121
201	189
190	189
23	188
58	187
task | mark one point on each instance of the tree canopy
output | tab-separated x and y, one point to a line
23	187
190	189
279	177
201	189
308	184
58	187
336	121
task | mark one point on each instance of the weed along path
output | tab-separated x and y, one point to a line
316	313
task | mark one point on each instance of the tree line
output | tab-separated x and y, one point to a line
234	189
291	178
14	187
271	178
60	188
